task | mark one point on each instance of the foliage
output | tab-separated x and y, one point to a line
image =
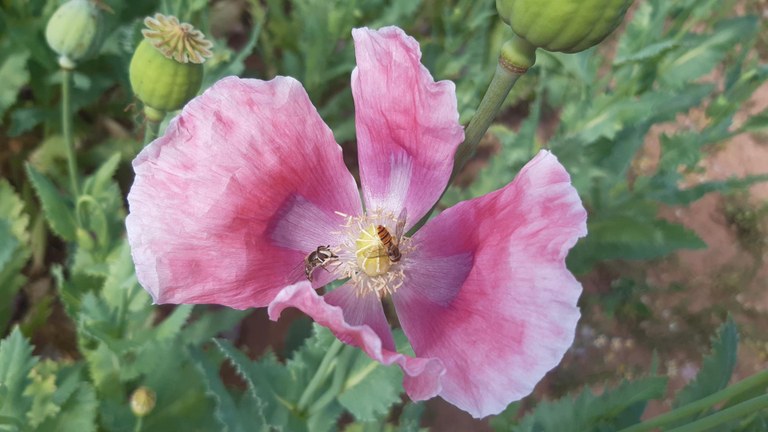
607	111
673	59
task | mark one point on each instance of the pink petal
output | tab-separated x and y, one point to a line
362	309
487	290
242	186
407	124
421	375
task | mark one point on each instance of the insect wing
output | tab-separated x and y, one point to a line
400	227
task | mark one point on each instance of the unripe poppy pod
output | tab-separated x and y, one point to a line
75	31
563	25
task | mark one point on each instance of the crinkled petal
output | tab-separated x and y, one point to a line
407	124
487	290
421	375
362	309
242	186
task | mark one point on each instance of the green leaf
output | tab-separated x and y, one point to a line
267	382
210	323
613	410
410	419
78	413
371	389
58	211
171	326
717	367
16	361
699	54
99	182
229	415
14	249
41	390
632	238
14	75
755	123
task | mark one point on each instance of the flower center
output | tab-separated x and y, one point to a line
374	254
371	255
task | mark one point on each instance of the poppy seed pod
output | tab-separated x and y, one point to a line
568	26
166	70
75	31
143	401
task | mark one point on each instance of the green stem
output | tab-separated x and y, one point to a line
66	126
516	57
152	124
151	130
755	381
337	384
320	374
139	424
735	412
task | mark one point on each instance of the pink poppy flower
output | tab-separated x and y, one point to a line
248	181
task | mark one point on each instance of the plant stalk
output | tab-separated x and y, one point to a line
320	374
759	379
516	57
66	126
735	412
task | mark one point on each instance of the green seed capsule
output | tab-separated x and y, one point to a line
563	25
166	70
75	31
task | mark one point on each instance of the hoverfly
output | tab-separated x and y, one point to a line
320	257
391	242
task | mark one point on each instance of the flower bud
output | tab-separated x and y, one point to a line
74	31
143	401
563	25
167	67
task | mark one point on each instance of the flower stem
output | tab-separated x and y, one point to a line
66	126
337	383
757	380
139	424
516	57
738	411
152	124
320	374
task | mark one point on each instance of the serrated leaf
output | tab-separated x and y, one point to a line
121	285
78	413
646	53
59	213
269	382
699	54
631	238
171	325
228	414
614	409
410	419
14	249
41	389
371	389
8	243
210	323
717	367
14	75
16	361
99	181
